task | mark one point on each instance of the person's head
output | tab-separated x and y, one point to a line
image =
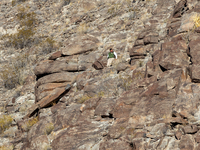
111	50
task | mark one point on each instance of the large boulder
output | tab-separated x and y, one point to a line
49	67
100	63
187	22
173	55
80	44
56	78
84	133
186	142
52	85
55	55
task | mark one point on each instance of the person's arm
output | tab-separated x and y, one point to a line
107	56
115	55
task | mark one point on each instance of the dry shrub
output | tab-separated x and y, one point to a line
6	147
48	45
126	82
196	21
5	122
24	36
83	99
49	128
83	28
13	73
29	123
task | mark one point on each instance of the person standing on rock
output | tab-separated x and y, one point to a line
111	56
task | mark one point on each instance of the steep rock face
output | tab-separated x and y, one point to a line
80	44
148	99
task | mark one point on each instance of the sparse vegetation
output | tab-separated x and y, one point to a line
13	73
28	124
138	75
114	8
6	147
23	38
47	147
82	29
13	3
48	45
5	122
141	63
49	128
101	94
83	99
196	21
126	81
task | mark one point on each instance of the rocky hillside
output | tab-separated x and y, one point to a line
57	93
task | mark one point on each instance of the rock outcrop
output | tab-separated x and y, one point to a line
148	99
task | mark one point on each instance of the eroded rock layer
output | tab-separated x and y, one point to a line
148	99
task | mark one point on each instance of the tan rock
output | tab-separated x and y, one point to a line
194	50
46	89
48	67
115	145
195	73
40	142
46	101
56	78
150	39
80	44
55	55
187	22
186	143
179	8
190	129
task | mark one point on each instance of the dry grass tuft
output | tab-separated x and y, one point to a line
5	122
83	99
13	73
49	128
196	20
28	124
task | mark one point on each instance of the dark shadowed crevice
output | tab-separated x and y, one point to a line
34	112
107	116
162	68
174	124
188	54
42	75
132	145
149	76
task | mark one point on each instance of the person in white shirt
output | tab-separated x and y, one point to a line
111	56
